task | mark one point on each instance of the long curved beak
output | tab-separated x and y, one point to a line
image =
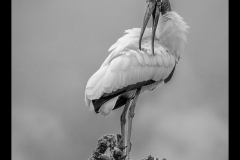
153	8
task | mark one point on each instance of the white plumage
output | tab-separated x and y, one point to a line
127	65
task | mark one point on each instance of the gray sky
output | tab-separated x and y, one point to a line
58	44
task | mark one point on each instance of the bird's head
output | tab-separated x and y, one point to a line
154	8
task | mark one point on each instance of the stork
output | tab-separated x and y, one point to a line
139	61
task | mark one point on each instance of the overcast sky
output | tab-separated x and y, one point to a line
58	44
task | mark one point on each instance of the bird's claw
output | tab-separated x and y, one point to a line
122	147
123	157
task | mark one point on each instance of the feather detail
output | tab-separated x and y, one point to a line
171	32
107	107
130	39
130	67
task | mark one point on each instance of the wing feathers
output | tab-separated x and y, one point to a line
127	66
139	58
93	80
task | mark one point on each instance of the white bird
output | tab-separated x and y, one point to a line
139	61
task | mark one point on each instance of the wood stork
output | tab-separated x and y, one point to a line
139	61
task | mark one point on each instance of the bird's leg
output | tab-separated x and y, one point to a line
130	117
123	122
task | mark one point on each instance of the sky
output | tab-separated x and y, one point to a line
58	44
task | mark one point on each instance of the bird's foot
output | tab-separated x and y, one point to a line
122	147
121	154
123	157
118	154
120	143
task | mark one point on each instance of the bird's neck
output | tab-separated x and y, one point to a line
171	31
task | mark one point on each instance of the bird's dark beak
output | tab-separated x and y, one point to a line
153	7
